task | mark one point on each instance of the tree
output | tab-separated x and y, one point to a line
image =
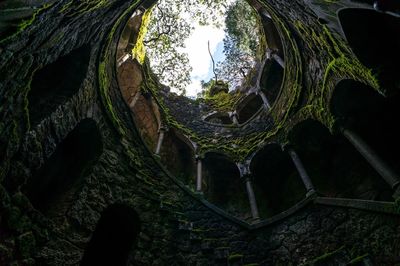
166	35
169	27
241	44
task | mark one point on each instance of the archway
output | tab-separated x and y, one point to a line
218	118
54	185
276	181
271	80
223	186
115	234
56	83
370	115
249	107
177	155
334	165
375	39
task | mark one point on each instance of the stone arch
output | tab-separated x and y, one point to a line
372	116
55	184
147	118
218	118
248	107
223	185
129	34
359	109
178	156
271	80
374	38
277	184
334	165
114	237
272	36
56	83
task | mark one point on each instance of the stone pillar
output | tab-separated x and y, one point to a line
265	100
123	59
252	198
278	59
199	176
274	55
234	118
135	99
374	160
161	134
302	171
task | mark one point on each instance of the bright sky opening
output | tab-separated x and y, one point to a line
197	50
199	58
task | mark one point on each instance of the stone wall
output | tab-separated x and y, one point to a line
178	227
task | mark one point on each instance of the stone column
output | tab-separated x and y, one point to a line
123	59
374	160
265	100
302	171
278	59
161	134
135	99
274	55
234	118
252	198
199	176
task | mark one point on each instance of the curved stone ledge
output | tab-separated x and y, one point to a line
368	205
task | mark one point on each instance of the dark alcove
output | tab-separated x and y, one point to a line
55	83
277	184
219	118
273	39
115	234
56	182
375	39
224	187
271	80
335	167
361	109
249	107
177	155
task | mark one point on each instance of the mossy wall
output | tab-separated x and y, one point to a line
178	227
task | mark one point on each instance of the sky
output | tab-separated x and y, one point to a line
199	58
196	46
197	50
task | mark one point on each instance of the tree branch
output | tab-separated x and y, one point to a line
215	74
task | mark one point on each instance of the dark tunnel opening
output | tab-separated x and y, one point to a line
56	83
115	234
59	178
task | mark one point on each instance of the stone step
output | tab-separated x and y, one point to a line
221	253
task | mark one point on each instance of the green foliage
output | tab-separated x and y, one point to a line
358	259
167	32
138	51
324	257
170	26
217	96
241	44
25	23
235	257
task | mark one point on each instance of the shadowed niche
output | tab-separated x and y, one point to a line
56	83
224	187
375	39
271	80
276	181
360	108
249	108
177	155
114	237
335	167
61	175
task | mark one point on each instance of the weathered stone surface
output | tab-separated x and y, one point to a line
177	228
